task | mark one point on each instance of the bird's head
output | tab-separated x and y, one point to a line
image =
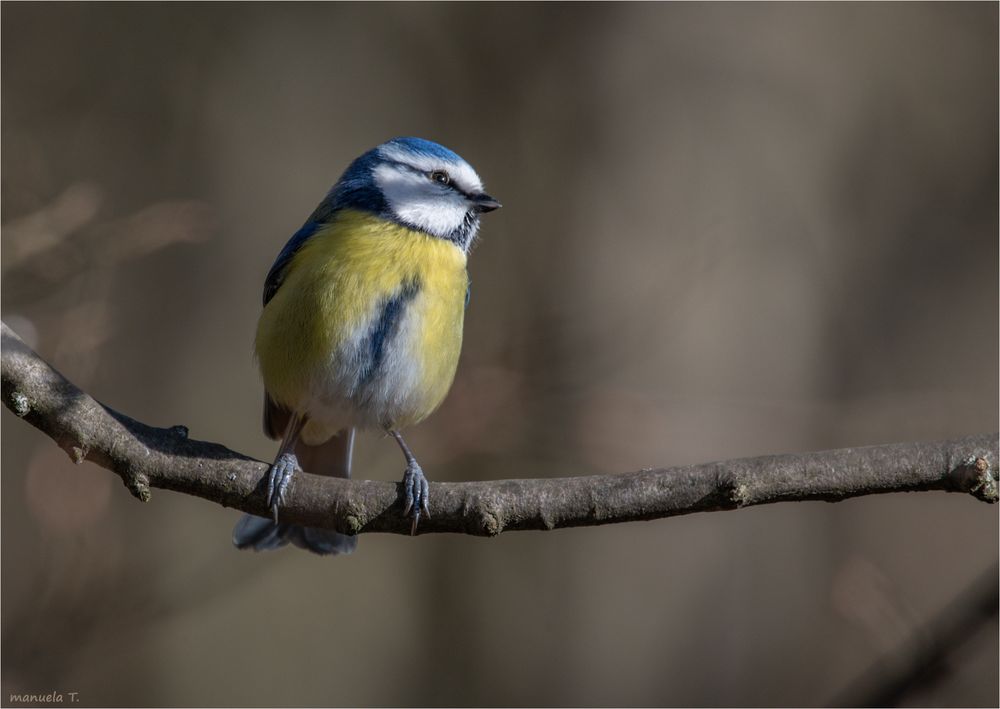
419	184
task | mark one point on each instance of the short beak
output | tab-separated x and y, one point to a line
482	202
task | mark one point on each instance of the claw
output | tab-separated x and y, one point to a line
416	493
416	490
277	481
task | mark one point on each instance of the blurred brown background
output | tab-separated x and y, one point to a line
728	230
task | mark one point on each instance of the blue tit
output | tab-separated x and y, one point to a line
362	323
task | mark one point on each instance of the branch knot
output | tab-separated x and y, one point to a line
78	454
490	523
975	476
137	484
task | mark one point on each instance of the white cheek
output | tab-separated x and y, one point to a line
437	217
417	201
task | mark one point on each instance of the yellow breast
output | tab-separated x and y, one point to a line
366	328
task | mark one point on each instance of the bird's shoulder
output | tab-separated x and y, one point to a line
276	274
323	220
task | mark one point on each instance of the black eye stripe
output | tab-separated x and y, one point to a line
443	178
451	182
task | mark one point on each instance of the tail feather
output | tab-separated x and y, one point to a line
260	533
323	541
331	458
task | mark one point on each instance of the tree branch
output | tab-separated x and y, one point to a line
146	457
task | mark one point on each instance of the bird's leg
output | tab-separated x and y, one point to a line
416	491
285	464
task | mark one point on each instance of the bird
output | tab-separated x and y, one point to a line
362	321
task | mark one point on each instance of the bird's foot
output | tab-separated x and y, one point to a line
278	478
416	494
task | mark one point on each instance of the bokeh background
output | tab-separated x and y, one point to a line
728	230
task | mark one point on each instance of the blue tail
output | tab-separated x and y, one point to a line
260	533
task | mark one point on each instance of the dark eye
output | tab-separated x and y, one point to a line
441	176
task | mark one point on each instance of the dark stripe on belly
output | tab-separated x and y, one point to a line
385	329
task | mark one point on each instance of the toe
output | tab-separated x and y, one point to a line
425	496
271	475
279	476
407	497
416	492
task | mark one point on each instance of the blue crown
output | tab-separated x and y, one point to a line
419	146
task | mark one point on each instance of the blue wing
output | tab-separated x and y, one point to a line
277	273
